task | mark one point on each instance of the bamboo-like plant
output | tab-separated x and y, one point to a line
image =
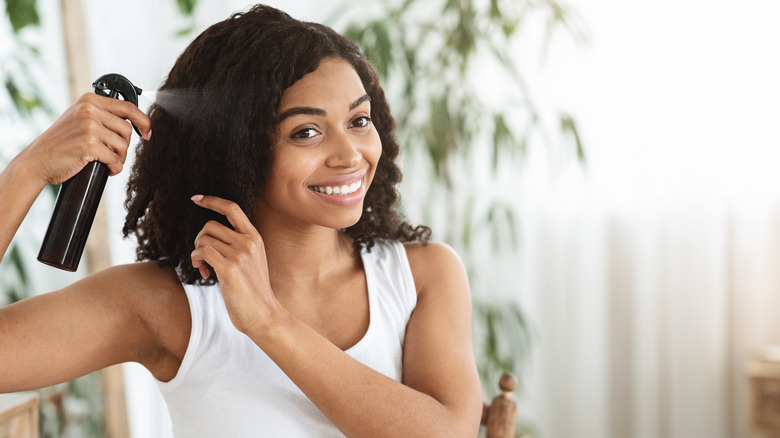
433	57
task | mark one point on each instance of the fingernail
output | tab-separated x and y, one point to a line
197	198
149	135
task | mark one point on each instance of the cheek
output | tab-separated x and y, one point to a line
293	167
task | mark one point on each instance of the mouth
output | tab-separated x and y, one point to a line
342	190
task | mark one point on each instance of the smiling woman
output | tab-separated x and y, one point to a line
322	122
278	281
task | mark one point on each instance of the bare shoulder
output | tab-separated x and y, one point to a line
434	263
146	287
440	251
138	278
139	284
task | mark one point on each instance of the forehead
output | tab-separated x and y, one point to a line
335	83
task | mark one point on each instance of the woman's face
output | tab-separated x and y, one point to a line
327	151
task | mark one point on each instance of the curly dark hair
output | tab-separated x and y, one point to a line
215	123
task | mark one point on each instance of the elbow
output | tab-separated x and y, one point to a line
463	423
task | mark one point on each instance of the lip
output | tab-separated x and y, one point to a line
340	180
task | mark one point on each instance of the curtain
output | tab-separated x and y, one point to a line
645	318
651	271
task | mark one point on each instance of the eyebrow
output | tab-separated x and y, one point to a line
311	111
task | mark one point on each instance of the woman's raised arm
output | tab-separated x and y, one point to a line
95	128
56	337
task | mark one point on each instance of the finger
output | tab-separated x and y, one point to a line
207	255
218	231
111	131
199	263
116	124
114	162
203	268
229	209
96	149
124	110
115	134
115	143
224	249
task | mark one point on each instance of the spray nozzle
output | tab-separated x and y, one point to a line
114	85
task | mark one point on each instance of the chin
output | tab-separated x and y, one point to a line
346	222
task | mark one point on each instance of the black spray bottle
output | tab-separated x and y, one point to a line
78	198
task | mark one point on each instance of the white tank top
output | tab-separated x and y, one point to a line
227	386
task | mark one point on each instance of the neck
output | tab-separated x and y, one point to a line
298	256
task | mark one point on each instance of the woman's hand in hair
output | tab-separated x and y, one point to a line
238	258
94	128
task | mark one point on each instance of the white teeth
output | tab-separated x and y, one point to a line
342	190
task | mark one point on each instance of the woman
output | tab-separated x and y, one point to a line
278	292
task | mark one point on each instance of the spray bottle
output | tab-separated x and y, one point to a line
78	198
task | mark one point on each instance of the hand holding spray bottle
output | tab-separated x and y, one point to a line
78	198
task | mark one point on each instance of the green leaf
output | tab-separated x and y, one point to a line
14	295
495	10
463	38
185	31
442	140
509	26
384	48
468	220
24	104
502	138
375	41
512	225
569	128
22	13
16	260
451	5
186	7
355	33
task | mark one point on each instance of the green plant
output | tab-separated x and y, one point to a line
433	57
187	10
26	99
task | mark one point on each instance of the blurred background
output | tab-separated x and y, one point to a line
606	169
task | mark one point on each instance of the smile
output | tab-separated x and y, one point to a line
338	190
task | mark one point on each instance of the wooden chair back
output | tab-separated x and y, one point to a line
500	416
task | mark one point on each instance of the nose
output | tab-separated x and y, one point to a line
344	151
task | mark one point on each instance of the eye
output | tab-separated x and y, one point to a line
361	122
305	133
